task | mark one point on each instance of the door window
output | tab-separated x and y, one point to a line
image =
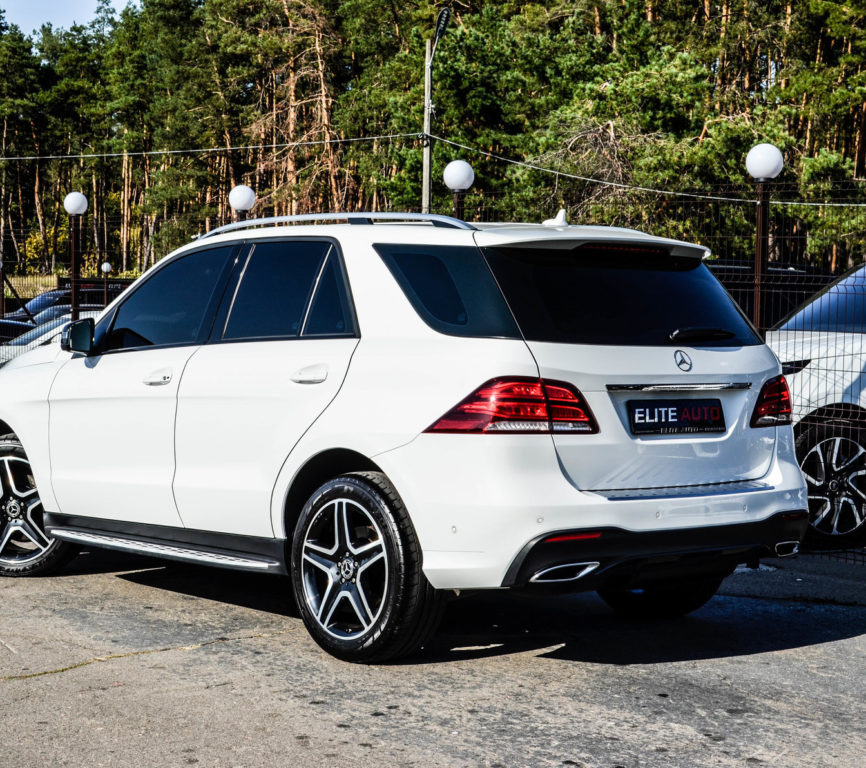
289	289
173	306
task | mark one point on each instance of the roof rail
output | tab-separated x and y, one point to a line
353	218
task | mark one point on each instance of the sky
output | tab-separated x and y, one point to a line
30	15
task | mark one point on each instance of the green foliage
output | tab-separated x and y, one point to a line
641	93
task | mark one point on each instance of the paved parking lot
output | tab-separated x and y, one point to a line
124	661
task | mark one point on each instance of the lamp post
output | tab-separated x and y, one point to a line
106	268
429	52
458	177
242	199
75	204
764	163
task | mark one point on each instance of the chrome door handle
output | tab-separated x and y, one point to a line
311	374
158	378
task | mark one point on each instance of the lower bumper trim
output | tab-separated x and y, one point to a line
628	558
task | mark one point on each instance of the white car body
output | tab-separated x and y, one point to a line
206	451
822	351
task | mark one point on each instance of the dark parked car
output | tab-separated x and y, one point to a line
51	298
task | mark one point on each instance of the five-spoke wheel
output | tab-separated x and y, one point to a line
356	571
833	461
344	568
25	549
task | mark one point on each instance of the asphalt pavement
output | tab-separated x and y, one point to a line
123	661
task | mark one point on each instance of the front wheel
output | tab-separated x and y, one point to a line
832	458
356	572
25	549
662	601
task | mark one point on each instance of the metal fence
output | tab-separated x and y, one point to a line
812	311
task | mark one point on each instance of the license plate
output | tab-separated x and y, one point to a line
675	417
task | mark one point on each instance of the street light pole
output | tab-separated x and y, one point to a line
75	204
427	164
106	268
426	180
458	177
764	163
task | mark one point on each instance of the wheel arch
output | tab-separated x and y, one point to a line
836	412
318	470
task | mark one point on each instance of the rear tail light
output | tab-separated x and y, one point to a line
519	404
774	404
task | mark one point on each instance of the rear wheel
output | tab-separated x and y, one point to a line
662	601
832	457
25	549
356	572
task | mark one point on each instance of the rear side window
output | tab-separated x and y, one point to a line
616	295
288	289
451	288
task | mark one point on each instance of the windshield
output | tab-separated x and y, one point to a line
619	295
841	307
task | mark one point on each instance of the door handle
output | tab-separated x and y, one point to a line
158	378
311	374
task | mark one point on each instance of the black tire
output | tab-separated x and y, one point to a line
662	601
832	457
356	572
25	550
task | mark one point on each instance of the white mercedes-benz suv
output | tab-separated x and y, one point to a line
408	408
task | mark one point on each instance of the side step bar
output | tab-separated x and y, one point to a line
168	550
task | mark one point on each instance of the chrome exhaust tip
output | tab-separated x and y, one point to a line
560	573
787	548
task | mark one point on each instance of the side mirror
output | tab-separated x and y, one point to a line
77	336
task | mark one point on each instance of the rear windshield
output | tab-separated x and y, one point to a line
615	295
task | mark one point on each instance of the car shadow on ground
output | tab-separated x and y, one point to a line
581	628
561	627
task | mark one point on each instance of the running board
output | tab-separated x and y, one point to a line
187	554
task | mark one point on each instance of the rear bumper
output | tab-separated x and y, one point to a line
579	560
477	502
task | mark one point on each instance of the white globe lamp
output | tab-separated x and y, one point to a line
458	176
764	162
242	199
75	204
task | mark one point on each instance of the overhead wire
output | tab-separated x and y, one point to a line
449	142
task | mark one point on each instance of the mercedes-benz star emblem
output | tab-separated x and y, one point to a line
683	361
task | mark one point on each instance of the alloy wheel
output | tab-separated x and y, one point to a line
344	569
835	473
23	537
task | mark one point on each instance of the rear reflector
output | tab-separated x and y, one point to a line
774	404
573	537
520	404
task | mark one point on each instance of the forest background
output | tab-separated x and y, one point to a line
633	113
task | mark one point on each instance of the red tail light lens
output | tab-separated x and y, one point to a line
520	405
774	404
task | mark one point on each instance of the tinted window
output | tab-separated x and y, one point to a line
610	295
171	306
451	288
330	314
275	287
840	308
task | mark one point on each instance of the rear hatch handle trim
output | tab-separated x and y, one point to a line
678	387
